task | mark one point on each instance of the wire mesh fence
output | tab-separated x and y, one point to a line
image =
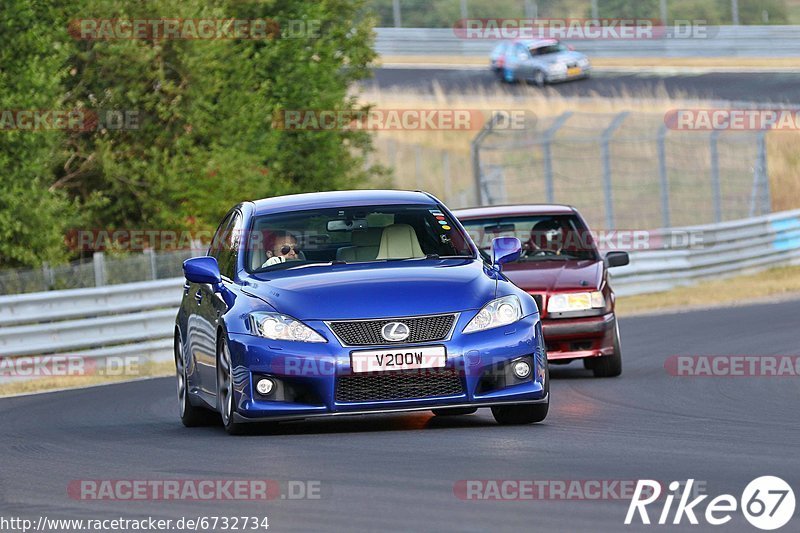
623	170
96	271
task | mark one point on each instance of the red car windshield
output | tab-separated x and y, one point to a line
543	237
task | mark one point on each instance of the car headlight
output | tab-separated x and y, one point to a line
575	301
283	328
584	62
499	312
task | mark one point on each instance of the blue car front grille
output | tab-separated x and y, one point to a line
368	332
404	385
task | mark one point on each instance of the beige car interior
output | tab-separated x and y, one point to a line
399	241
364	246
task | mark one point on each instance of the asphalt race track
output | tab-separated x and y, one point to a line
761	87
398	471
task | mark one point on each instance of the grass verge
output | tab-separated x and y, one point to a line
776	283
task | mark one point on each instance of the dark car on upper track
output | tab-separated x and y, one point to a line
561	267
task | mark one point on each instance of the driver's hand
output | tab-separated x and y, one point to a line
274	261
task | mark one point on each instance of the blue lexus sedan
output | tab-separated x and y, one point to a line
354	302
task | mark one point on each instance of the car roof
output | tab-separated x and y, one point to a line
537	43
497	211
312	200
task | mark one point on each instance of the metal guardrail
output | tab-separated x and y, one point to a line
726	248
722	41
132	319
136	319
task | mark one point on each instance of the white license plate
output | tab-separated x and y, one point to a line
401	358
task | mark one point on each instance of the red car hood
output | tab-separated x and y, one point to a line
554	276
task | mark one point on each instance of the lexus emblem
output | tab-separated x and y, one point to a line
395	332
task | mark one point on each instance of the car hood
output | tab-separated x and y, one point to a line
563	57
375	290
554	276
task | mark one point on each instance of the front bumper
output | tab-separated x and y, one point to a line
308	374
558	75
578	338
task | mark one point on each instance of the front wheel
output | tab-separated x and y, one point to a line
609	366
225	389
539	78
520	414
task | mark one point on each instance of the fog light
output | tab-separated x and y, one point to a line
522	369
265	386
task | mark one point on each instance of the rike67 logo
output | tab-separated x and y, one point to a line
767	503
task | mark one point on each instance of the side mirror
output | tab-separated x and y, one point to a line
505	250
617	259
202	270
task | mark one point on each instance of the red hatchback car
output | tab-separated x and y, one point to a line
562	268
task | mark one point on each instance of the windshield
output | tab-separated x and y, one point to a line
543	237
551	49
353	235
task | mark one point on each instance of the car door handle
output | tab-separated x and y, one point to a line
198	296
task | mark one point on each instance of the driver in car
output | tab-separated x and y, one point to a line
283	248
547	237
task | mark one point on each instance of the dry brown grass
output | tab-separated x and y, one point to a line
783	159
407	151
147	369
776	283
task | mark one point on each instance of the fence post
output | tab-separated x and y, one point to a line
547	155
398	20
763	174
417	166
716	188
663	176
153	268
49	278
475	155
391	147
607	189
448	186
99	263
531	9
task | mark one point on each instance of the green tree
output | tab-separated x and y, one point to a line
33	48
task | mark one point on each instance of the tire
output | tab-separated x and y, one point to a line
609	366
225	389
454	411
539	79
513	415
509	415
191	416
